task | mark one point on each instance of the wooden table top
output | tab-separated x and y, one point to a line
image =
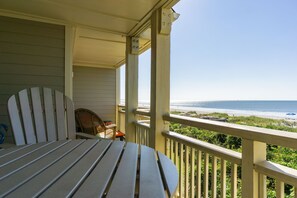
86	168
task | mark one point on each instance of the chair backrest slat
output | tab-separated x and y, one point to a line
41	115
70	118
49	115
14	115
27	117
38	115
60	113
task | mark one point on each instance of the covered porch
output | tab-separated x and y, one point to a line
78	48
75	48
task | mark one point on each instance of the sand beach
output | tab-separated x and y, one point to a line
272	115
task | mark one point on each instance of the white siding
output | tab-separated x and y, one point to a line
95	89
31	54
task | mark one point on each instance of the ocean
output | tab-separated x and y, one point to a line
272	109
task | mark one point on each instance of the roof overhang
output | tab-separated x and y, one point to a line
100	27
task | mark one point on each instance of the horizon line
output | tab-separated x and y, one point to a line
239	100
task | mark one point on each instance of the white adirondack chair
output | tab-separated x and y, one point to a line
41	115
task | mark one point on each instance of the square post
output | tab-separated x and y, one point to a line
69	43
252	152
131	96
118	99
160	76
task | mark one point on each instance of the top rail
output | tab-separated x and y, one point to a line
121	108
270	136
139	111
284	173
143	112
224	153
144	124
121	111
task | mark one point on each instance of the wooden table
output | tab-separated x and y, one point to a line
86	168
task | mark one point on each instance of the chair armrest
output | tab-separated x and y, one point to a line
85	135
111	126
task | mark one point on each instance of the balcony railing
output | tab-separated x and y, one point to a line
260	136
142	132
208	170
121	118
142	127
192	156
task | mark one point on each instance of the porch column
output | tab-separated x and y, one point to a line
69	43
252	152
160	76
131	96
118	97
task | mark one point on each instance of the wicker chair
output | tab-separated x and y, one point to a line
89	122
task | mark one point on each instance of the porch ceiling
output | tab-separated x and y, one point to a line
101	25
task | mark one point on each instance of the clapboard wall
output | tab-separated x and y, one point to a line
95	89
31	54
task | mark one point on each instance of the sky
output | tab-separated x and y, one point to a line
230	50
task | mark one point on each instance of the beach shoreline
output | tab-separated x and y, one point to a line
271	115
231	112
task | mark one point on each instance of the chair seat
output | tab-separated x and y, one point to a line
109	134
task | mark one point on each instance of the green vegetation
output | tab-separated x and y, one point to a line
277	154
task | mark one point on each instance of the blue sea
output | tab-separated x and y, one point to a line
273	109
